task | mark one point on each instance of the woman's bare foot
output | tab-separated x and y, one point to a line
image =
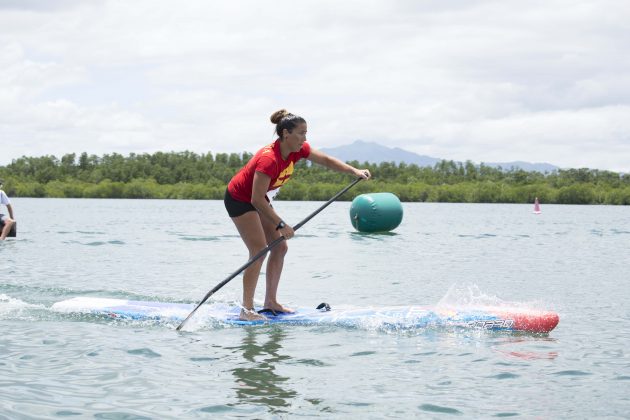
276	307
251	315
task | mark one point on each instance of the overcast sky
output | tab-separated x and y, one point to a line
489	81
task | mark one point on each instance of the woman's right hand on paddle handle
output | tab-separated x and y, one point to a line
287	231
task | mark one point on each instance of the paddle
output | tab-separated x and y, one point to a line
265	250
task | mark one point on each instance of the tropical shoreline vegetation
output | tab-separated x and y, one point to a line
188	175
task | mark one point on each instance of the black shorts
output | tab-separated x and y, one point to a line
237	208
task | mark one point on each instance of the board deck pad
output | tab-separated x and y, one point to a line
392	317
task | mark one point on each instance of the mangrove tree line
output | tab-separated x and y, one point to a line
188	175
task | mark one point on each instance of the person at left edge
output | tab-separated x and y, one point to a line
256	220
7	221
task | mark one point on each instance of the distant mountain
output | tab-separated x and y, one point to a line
364	151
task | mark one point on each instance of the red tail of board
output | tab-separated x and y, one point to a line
532	321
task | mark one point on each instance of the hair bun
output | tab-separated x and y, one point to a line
277	116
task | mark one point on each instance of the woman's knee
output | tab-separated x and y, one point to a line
255	248
280	250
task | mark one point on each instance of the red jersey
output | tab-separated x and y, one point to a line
267	160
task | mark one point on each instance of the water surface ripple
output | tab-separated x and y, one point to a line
573	259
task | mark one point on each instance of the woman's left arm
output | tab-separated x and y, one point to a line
335	164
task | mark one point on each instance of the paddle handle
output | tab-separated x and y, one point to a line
264	251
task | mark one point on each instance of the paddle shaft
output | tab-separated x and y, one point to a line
264	251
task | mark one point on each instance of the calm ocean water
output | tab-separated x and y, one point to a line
572	259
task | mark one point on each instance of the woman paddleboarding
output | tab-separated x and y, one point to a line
256	220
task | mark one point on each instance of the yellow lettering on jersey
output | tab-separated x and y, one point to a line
284	176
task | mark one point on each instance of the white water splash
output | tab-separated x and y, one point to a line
469	295
10	306
8	303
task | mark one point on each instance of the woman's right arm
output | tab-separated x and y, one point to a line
259	191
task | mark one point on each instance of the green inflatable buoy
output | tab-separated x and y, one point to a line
376	212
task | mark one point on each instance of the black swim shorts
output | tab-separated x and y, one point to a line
237	208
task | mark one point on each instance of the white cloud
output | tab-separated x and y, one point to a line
480	80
